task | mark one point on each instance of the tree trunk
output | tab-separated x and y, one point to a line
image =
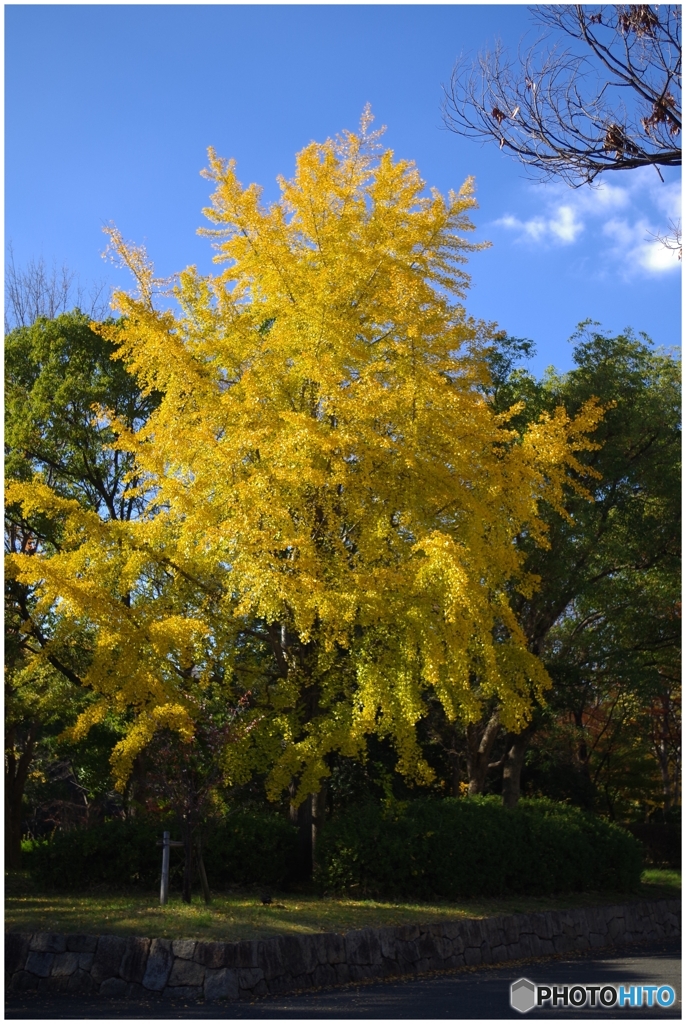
512	768
207	896
17	766
479	746
301	817
187	861
319	801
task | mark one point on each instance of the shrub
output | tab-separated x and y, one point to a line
452	848
250	848
245	848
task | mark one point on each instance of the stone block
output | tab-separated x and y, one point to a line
472	955
443	949
451	929
514	951
474	933
324	975
310	951
493	932
241	954
159	965
390	968
16	951
297	956
82	943
108	958
40	964
24	982
220	984
269	958
388	942
362	947
562	943
113	987
81	983
47	942
486	957
64	965
540	924
335	948
248	977
426	946
408	932
547	947
407	952
361	972
283	984
211	954
183	948
342	974
132	967
186	972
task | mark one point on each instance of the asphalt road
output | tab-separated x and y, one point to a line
470	993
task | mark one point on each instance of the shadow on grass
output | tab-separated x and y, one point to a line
241	915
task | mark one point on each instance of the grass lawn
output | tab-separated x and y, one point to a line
233	916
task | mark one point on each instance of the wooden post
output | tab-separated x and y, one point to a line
203	874
164	885
166	845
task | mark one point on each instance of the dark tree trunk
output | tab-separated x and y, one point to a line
207	896
17	766
512	768
319	802
187	861
479	745
301	817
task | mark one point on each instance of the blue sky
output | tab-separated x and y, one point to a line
110	110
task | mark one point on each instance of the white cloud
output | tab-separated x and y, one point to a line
562	226
646	204
638	249
565	224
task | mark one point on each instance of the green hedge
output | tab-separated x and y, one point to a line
452	848
246	848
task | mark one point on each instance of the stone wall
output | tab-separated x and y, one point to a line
129	967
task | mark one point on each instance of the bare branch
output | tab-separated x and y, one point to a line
37	290
610	101
671	240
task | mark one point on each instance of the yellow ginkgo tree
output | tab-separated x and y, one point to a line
331	502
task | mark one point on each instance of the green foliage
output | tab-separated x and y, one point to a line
246	848
455	848
250	848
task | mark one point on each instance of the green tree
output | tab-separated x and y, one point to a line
605	616
58	373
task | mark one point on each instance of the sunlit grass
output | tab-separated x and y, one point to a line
663	877
232	916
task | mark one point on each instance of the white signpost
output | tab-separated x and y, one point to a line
164	885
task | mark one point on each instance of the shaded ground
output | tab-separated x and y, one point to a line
470	993
236	916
